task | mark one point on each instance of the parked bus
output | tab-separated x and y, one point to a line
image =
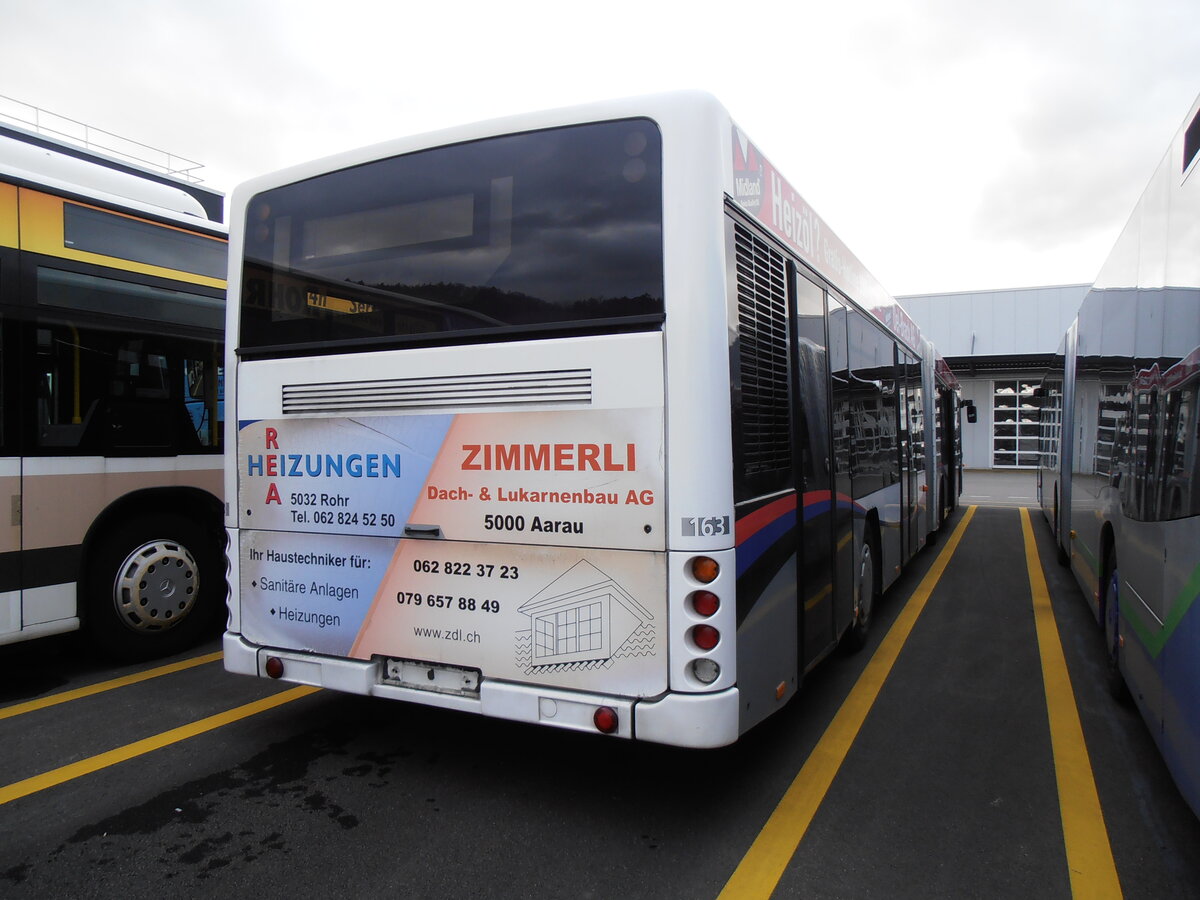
582	418
1119	480
112	285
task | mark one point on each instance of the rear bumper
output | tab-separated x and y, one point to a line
682	720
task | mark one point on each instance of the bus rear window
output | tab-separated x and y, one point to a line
556	230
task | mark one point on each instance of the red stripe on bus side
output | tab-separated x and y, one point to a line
751	523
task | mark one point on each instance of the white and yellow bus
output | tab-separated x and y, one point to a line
112	287
582	418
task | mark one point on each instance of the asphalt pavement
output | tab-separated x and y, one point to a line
948	789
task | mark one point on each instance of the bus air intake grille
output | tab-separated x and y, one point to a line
555	388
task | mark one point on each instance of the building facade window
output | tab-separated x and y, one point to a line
1014	424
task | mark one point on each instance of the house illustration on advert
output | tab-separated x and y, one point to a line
584	618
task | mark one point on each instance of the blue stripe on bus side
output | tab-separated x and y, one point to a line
751	550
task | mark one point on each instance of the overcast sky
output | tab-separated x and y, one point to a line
952	144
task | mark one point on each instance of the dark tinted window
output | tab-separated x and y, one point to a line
1181	462
873	406
549	229
138	372
102	390
912	414
96	231
1191	142
109	296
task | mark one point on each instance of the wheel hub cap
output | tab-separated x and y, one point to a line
156	586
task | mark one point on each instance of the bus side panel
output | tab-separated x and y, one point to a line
10	464
1050	437
1180	666
1084	492
1139	556
61	497
9	230
767	608
10	550
1066	443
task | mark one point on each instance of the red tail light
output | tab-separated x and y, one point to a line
706	637
705	603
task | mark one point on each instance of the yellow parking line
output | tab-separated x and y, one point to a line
764	863
54	699
1089	855
66	773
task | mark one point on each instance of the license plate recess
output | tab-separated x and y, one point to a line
428	676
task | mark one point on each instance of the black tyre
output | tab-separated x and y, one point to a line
939	516
866	594
1110	613
154	586
1060	553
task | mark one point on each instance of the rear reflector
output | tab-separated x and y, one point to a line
605	720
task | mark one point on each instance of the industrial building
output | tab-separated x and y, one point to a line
998	343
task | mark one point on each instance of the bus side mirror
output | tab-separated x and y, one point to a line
969	406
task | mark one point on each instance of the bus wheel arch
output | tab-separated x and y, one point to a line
153	580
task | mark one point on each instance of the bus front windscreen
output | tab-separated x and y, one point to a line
545	231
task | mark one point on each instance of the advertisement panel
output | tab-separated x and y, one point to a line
503	542
579	618
582	478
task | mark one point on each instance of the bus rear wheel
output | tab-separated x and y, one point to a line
1110	613
864	599
1063	558
154	587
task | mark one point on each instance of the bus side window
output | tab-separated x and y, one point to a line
69	371
203	396
145	415
1181	480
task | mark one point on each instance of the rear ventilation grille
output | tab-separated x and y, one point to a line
763	354
567	386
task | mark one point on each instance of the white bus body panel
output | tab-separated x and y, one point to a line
61	173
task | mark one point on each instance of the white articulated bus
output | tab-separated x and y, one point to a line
1119	476
582	418
112	304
